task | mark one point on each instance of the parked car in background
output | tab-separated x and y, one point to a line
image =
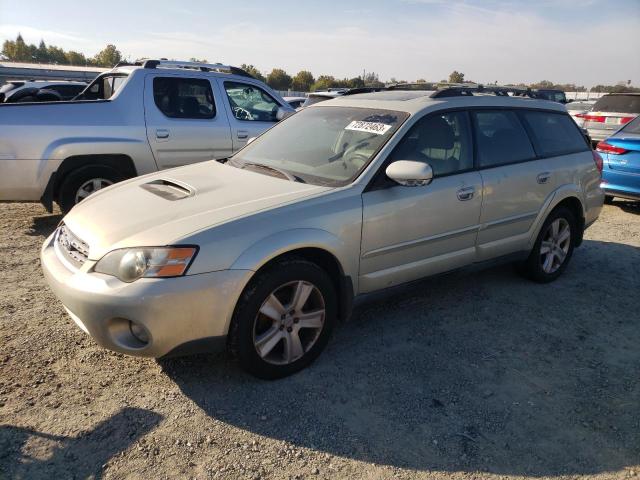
551	94
265	253
578	108
15	91
322	95
611	112
295	102
621	155
132	120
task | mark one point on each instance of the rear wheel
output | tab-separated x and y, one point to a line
553	248
283	319
81	183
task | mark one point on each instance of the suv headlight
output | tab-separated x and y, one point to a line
130	264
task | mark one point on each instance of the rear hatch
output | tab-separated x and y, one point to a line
612	112
624	155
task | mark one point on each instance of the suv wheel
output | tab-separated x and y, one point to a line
81	183
283	319
553	248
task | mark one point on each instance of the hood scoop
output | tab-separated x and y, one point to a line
168	189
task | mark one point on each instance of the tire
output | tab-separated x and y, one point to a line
538	267
608	199
251	329
69	189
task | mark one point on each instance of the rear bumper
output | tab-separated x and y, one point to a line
180	315
620	184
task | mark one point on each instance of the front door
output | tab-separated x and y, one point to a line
185	120
412	232
251	109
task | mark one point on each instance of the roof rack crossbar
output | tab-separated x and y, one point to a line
457	90
203	67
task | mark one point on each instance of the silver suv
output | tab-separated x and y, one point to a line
266	252
135	119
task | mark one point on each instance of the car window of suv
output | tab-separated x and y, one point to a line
555	133
501	138
250	103
178	97
442	140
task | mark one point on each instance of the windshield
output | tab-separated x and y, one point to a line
618	104
322	145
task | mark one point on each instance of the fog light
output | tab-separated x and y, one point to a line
139	332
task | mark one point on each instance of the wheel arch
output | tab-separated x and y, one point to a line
317	246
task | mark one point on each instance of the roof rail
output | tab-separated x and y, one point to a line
356	90
466	89
427	86
203	67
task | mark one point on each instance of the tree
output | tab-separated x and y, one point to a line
56	55
42	55
355	82
253	71
323	82
108	57
278	79
371	79
303	81
75	58
194	59
456	77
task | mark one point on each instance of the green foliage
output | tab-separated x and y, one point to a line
303	81
278	79
456	77
19	51
253	71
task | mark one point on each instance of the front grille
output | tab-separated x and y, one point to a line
71	247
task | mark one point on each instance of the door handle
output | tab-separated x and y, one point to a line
243	134
162	133
466	193
543	177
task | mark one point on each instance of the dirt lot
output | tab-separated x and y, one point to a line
471	375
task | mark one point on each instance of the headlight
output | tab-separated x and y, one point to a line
130	264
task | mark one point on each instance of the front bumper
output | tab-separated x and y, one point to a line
177	313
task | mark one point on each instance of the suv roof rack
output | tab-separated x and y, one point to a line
466	89
203	67
419	86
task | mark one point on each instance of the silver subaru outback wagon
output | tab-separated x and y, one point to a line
265	253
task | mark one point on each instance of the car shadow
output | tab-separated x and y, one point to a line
468	372
629	206
44	225
71	457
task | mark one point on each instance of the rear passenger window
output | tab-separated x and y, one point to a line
555	133
441	140
184	97
501	138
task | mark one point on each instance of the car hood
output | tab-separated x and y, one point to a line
162	208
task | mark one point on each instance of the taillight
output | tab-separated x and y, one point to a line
598	160
605	147
594	118
624	120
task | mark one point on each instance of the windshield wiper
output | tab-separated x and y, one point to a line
284	173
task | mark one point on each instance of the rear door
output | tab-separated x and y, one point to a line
251	109
185	121
516	182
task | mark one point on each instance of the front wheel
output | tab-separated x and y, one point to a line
81	183
553	248
283	319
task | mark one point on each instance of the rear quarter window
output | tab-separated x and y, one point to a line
618	103
554	133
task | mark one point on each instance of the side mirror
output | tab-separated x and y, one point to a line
282	113
410	173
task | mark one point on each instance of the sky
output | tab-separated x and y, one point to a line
586	42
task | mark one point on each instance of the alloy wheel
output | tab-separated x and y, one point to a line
555	245
289	322
91	186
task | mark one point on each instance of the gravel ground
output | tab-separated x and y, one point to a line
470	375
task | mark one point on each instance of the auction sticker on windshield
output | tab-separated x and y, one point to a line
369	127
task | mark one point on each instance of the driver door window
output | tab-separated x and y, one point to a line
250	103
442	140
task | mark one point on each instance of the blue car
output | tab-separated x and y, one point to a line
621	156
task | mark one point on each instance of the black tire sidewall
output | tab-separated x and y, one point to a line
241	331
74	179
533	266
